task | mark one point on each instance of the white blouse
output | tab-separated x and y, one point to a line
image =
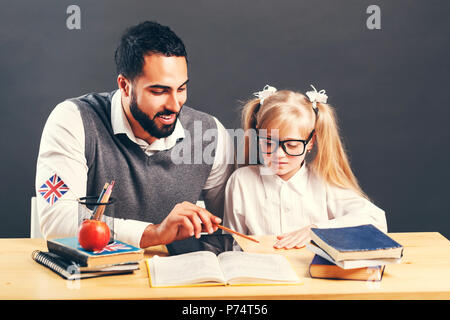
260	203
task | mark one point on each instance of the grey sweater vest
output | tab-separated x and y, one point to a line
146	187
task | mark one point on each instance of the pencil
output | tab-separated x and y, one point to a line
236	233
104	200
94	213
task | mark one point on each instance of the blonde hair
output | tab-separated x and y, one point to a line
285	109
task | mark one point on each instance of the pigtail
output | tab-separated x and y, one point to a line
249	123
331	161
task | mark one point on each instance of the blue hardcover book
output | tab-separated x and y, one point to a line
114	253
355	243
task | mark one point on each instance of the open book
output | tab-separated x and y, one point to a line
203	268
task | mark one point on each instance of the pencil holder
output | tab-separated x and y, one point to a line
90	209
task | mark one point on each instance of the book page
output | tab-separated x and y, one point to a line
256	267
193	267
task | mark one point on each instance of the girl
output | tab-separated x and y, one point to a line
305	179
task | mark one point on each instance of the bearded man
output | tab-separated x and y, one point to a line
129	136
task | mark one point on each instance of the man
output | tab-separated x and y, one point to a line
129	136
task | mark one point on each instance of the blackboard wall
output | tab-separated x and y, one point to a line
389	85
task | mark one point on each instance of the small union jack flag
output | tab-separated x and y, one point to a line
113	247
53	189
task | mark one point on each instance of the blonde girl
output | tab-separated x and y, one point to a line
303	180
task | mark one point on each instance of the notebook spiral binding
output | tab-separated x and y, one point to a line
48	261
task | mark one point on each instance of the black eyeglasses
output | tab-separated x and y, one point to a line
291	147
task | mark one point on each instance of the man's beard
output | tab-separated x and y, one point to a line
148	124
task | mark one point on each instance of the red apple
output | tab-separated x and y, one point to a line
93	235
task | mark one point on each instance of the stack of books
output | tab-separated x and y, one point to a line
66	258
356	253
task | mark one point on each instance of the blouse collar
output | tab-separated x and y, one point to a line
272	181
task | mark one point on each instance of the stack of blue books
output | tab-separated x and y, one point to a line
361	247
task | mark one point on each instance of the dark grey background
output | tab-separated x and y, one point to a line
389	86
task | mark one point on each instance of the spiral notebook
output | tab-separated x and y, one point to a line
70	270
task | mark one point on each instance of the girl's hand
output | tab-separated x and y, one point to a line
295	239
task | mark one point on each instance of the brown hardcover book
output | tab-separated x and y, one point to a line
324	269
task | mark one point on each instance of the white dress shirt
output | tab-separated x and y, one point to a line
62	152
258	203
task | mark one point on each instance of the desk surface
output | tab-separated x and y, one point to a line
423	274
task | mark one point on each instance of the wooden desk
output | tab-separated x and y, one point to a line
423	274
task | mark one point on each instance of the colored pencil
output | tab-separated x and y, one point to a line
99	200
104	200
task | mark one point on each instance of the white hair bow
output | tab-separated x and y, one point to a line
265	93
317	96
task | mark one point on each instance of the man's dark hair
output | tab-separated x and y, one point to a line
143	39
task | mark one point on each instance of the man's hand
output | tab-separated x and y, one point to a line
295	239
184	221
